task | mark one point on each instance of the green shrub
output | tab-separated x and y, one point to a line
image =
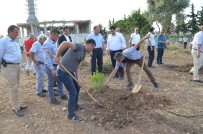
97	81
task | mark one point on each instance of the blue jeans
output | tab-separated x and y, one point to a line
120	71
97	57
72	88
39	70
160	53
150	56
51	82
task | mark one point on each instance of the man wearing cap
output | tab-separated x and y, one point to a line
37	56
10	59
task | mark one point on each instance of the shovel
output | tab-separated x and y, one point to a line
137	86
66	70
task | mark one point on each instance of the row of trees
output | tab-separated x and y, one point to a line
192	26
161	12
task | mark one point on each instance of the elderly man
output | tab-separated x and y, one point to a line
10	59
97	54
72	62
51	66
135	38
127	59
37	56
197	54
116	43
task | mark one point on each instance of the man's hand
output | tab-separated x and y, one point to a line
151	48
36	62
80	84
198	54
147	36
53	72
57	59
106	84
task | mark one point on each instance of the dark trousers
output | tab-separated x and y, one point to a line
97	58
160	53
185	45
120	71
150	56
73	89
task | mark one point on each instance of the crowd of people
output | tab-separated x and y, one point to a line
71	55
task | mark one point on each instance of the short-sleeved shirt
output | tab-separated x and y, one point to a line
116	42
38	51
72	58
152	40
161	38
198	40
97	38
131	54
135	38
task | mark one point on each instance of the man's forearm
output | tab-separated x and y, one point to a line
63	46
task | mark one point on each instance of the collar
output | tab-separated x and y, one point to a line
50	41
9	38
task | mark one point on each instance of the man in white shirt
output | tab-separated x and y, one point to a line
197	54
135	38
116	43
150	47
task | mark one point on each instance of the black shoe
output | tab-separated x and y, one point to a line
44	91
130	86
75	118
64	97
19	112
79	108
199	81
41	94
22	107
55	102
156	85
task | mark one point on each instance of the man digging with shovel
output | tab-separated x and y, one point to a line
127	59
71	63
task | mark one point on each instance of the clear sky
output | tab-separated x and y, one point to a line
98	11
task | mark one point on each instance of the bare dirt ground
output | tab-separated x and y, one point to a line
176	107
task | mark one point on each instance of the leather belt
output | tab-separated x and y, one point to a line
55	64
12	63
97	48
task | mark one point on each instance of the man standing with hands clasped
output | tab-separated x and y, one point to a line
127	59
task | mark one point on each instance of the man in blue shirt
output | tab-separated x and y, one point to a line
127	59
37	56
161	41
51	66
10	59
97	53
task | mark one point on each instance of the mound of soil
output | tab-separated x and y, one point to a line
179	68
121	108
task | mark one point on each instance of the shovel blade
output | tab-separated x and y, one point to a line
136	88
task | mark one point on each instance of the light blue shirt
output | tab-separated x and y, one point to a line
10	51
152	40
116	42
130	53
38	51
50	46
198	39
97	38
